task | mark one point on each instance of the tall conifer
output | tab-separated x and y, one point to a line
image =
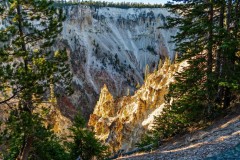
30	69
209	83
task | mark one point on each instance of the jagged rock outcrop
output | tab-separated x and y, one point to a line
121	122
112	46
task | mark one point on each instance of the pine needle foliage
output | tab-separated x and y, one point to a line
208	39
84	144
29	64
25	127
30	68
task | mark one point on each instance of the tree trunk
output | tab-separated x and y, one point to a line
27	105
21	34
210	48
231	58
219	51
229	12
219	54
26	148
210	41
237	18
227	62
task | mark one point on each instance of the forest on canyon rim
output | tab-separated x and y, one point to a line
33	73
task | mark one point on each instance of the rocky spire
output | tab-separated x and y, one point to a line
121	122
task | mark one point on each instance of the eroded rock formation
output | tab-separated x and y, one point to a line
112	46
121	122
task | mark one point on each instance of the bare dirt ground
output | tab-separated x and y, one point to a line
216	140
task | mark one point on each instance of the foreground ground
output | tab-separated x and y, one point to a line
219	141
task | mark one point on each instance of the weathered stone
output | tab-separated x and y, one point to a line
128	118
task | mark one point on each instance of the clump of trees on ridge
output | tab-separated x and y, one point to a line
123	5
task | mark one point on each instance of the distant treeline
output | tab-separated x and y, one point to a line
123	5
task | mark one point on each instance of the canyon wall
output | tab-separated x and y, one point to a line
111	46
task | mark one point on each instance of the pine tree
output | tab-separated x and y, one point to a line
29	67
84	144
28	63
44	143
211	47
194	88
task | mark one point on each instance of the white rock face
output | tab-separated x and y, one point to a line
113	46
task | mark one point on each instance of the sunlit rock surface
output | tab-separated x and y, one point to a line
121	122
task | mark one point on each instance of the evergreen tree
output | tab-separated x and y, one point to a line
30	70
29	64
84	144
123	5
211	79
44	144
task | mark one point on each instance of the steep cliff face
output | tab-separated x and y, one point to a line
112	46
121	122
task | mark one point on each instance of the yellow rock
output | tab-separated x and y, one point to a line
121	122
